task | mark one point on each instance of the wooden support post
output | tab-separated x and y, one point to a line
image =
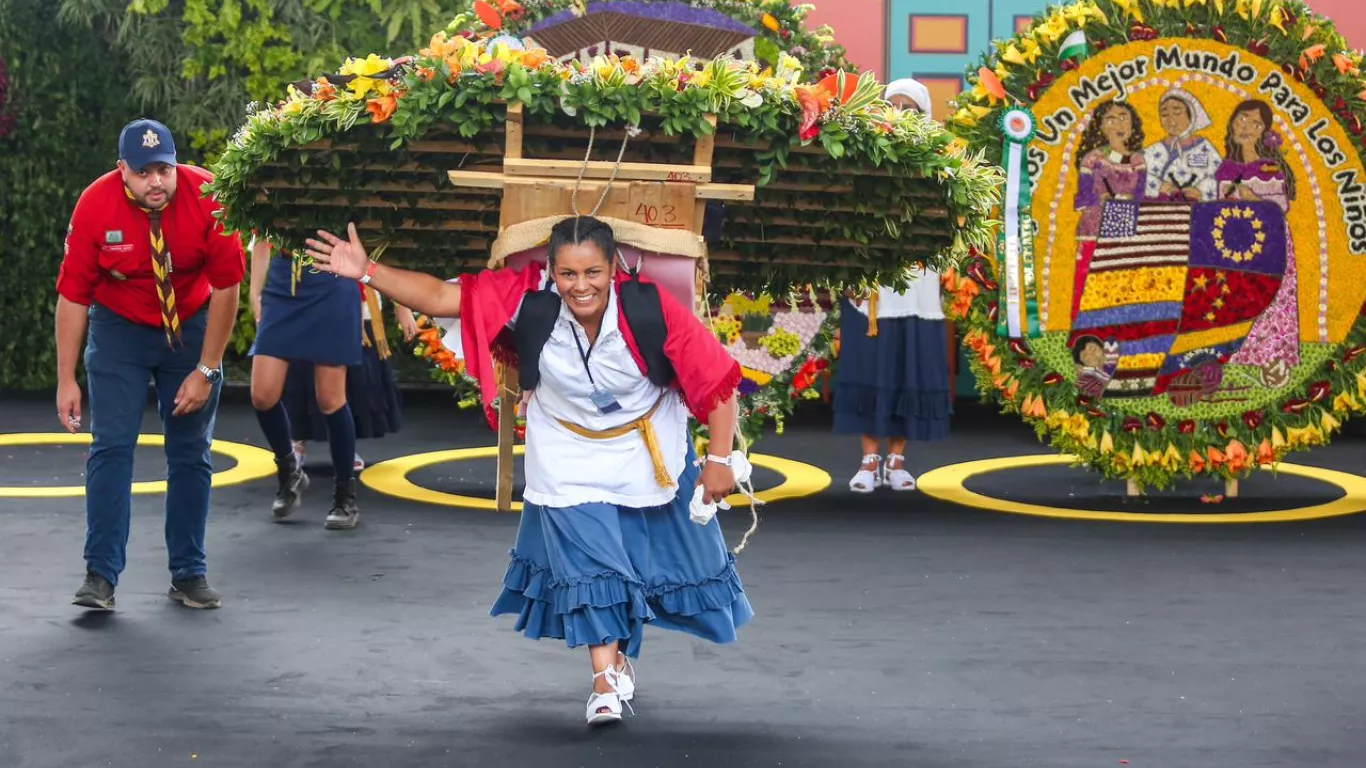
513	128
510	394
1132	488
1231	489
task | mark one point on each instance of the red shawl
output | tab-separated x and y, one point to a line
705	372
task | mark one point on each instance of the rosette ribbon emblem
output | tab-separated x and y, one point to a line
1015	240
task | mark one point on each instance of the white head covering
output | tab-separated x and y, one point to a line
913	90
1200	119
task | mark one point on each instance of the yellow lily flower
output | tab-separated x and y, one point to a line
1277	439
1277	18
1171	458
1011	55
1131	7
1329	422
1346	402
1139	457
362	69
1030	50
1107	443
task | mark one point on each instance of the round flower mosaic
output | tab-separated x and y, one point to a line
1190	301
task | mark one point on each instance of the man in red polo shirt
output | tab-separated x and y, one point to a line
150	271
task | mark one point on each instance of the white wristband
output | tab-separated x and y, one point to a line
722	460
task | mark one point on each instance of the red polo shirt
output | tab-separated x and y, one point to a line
109	250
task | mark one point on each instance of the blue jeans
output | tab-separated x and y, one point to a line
120	358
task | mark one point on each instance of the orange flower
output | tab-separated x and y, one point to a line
1013	389
427	74
629	65
993	364
323	90
1344	64
1237	456
1216	457
382	109
1312	54
1265	453
991	83
1197	462
534	58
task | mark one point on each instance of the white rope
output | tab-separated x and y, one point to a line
630	133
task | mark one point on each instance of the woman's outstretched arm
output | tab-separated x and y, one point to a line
419	291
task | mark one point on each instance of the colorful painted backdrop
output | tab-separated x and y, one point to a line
935	41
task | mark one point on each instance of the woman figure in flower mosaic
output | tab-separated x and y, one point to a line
1182	165
1256	170
892	382
1111	166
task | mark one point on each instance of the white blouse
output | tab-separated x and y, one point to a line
921	299
564	469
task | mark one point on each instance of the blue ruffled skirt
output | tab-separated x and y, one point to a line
895	384
597	573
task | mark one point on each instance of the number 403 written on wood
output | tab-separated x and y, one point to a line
656	214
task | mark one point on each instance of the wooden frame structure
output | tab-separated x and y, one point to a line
666	195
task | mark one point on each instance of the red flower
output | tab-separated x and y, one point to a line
1132	424
1252	419
1096	413
1155	420
1259	47
1052	379
1219	34
1018	346
1295	406
1222	429
1319	390
1186	427
1069	64
1026	362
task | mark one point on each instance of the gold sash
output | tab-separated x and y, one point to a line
647	433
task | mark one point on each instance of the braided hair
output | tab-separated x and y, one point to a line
582	229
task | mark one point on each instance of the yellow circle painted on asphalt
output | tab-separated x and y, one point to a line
947	483
252	464
391	477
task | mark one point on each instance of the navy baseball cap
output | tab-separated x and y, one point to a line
144	142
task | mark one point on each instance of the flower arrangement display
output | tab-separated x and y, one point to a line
849	189
1191	293
448	367
778	25
783	347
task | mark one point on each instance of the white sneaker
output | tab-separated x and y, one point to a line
357	464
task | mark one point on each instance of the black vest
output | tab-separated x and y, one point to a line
640	309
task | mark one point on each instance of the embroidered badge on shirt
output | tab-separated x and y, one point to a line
149	139
113	236
1198	160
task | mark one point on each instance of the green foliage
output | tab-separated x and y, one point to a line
69	98
232	52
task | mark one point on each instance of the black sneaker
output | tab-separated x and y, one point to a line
194	593
293	483
96	593
345	512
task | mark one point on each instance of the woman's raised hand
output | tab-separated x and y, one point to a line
346	258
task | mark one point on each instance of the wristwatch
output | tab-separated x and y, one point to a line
212	374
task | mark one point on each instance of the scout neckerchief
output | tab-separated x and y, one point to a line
161	269
370	300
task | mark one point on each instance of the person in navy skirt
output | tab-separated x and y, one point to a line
305	317
892	382
371	387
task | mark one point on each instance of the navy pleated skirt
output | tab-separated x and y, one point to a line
895	384
319	322
371	391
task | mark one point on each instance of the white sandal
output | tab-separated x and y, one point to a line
626	678
868	480
605	708
898	479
